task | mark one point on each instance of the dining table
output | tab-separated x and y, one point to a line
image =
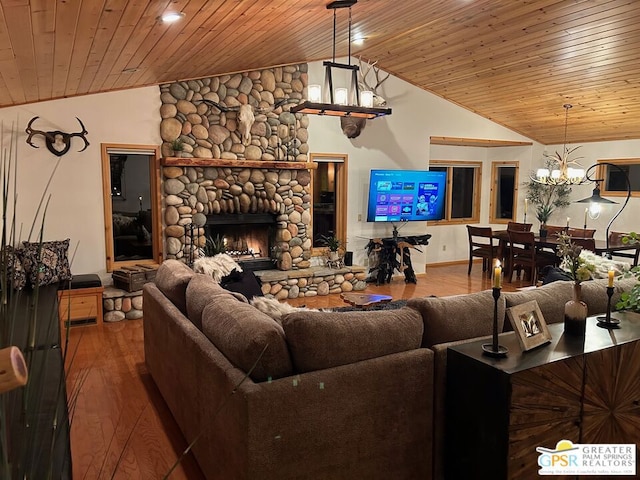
551	242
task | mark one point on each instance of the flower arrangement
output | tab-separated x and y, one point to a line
577	266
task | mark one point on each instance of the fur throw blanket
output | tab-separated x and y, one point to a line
217	266
276	309
602	265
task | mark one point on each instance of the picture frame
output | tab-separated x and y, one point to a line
529	325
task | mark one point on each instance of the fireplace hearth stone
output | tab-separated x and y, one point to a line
311	282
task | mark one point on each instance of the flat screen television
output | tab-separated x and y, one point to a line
406	195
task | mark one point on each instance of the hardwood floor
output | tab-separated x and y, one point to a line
122	429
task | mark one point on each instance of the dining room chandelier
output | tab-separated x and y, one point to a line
563	171
340	101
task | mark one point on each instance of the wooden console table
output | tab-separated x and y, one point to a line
500	410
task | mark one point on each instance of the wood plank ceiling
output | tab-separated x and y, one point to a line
515	62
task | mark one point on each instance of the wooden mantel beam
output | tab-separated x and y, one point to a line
222	162
477	142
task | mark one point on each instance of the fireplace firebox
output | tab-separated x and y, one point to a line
249	238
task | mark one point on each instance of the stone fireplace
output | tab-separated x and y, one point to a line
244	154
197	195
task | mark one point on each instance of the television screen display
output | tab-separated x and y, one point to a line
406	195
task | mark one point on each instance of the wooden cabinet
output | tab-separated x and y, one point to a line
499	410
80	304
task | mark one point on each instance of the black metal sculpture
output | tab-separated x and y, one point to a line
57	142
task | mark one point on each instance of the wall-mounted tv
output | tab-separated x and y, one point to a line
406	195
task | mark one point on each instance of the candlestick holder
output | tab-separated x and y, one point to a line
525	217
493	349
606	321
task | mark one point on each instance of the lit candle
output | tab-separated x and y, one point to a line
526	205
497	276
611	274
586	211
568	221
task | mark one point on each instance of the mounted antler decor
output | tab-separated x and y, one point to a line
57	142
353	126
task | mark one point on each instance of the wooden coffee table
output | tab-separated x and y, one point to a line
364	300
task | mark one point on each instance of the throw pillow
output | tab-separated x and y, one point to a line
241	333
245	283
172	280
47	262
11	263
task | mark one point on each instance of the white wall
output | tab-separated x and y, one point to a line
397	141
75	210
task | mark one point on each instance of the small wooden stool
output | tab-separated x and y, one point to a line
82	302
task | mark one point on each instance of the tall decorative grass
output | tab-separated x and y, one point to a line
34	437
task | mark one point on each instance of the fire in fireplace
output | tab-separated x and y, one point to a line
248	238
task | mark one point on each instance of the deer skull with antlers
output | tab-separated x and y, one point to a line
352	127
246	115
57	142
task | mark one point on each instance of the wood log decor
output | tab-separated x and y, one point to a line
13	370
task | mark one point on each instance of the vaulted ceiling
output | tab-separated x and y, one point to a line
515	62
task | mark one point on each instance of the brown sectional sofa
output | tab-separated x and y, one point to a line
325	395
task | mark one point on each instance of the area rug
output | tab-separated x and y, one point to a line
393	305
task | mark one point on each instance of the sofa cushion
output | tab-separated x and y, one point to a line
594	293
199	292
241	333
550	297
172	279
319	340
457	317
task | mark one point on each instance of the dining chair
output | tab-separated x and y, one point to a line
522	255
615	238
585	243
519	227
481	244
581	232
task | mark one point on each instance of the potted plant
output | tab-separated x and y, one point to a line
177	146
334	244
546	199
214	246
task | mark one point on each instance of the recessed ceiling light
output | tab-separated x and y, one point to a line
130	70
359	40
170	17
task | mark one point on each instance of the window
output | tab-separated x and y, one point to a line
329	215
130	180
504	191
614	184
462	192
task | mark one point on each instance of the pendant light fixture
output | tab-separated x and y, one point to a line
563	173
341	102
